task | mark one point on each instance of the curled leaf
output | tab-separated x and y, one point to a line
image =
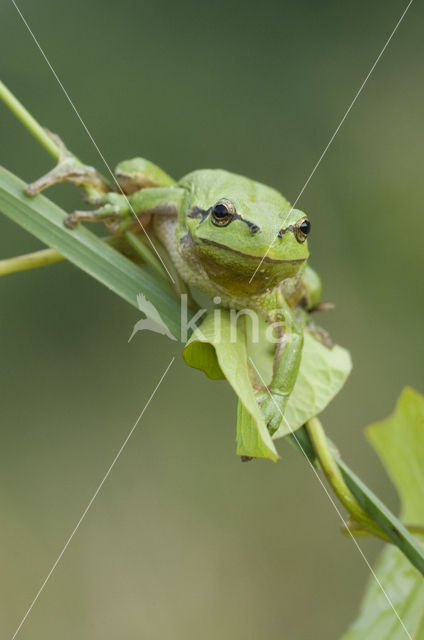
219	348
222	348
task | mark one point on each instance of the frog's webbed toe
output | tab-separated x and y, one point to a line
69	169
111	208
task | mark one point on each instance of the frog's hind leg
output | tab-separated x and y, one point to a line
70	169
288	327
139	173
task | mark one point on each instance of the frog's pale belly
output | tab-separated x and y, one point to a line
229	281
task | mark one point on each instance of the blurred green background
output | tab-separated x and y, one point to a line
183	540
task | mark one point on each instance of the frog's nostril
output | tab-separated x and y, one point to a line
254	228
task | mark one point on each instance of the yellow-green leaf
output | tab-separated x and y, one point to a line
229	359
399	441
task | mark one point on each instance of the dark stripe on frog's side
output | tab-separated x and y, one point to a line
283	231
196	212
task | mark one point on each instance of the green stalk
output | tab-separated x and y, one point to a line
30	261
28	121
356	529
346	485
335	478
41	258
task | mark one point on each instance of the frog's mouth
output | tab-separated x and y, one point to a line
232	269
250	256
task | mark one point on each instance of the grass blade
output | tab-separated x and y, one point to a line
386	520
44	220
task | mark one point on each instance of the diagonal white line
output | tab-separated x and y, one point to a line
90	136
94	496
336	131
329	496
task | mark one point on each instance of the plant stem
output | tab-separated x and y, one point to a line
41	258
382	516
29	261
356	529
334	476
145	253
310	440
28	121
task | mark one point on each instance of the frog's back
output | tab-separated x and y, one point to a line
206	186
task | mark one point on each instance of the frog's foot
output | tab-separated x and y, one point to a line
272	403
320	334
70	169
322	306
113	208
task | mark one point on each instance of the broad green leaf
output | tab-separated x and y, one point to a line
251	440
202	355
404	587
228	358
216	349
399	441
43	219
322	374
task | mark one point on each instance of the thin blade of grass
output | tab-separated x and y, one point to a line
44	220
386	520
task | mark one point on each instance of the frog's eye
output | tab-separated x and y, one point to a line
302	229
222	213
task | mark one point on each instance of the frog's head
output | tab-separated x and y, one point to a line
237	226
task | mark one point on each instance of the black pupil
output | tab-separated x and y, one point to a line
220	211
305	227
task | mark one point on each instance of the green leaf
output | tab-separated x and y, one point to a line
252	435
222	351
219	348
43	219
399	441
322	374
404	587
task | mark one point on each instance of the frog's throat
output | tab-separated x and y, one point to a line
251	256
227	269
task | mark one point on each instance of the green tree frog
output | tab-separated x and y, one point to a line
227	235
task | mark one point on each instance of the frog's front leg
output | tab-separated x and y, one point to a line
121	211
288	352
